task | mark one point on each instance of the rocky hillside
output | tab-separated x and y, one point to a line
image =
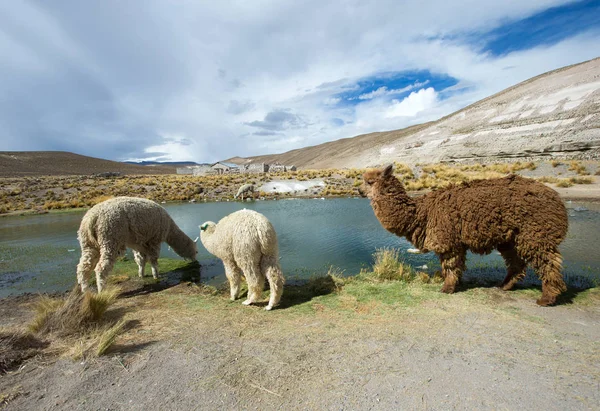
39	163
554	114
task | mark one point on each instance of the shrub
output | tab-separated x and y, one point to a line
581	180
565	182
388	267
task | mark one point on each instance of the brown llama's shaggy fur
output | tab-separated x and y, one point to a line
521	218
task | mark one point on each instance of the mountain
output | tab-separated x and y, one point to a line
38	163
553	114
165	163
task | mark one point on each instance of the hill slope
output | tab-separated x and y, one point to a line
553	114
38	163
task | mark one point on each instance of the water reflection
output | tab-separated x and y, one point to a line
39	253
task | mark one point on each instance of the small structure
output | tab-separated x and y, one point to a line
185	170
256	168
225	168
222	167
277	168
202	170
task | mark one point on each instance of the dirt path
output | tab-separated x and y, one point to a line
478	349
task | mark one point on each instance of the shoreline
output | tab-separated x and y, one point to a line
574	194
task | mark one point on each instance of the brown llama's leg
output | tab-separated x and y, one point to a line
548	265
453	264
515	265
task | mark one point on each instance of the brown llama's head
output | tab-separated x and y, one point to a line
374	178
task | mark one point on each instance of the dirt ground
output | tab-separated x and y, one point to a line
481	348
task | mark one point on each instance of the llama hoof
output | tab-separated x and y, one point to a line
268	307
447	289
545	302
247	302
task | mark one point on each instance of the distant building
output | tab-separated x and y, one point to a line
256	168
202	170
278	168
184	170
222	167
225	168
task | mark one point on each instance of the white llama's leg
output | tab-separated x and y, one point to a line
255	280
87	262
234	275
271	269
105	265
140	259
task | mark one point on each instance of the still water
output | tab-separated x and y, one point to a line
39	253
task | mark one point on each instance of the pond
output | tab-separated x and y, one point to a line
39	253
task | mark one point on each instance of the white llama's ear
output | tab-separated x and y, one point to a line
388	170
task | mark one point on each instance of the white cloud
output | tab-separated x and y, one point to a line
384	91
243	79
415	103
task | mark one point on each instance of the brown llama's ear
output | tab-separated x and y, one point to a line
387	171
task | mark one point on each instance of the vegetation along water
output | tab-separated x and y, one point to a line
39	253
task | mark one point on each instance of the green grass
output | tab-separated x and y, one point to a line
126	269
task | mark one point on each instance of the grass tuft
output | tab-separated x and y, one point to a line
388	267
78	321
45	308
107	338
95	305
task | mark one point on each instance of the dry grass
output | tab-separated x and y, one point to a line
564	183
78	322
579	168
581	180
58	193
388	267
107	338
16	347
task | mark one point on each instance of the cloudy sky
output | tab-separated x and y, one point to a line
208	80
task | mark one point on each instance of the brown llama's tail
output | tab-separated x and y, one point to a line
271	269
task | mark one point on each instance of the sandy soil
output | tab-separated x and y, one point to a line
478	349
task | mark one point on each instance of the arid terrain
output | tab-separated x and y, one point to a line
45	163
334	343
357	344
39	194
556	114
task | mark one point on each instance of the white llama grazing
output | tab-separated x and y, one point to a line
245	189
108	228
247	243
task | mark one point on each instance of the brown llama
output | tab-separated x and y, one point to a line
521	218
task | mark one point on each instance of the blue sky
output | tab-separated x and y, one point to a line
547	27
205	81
